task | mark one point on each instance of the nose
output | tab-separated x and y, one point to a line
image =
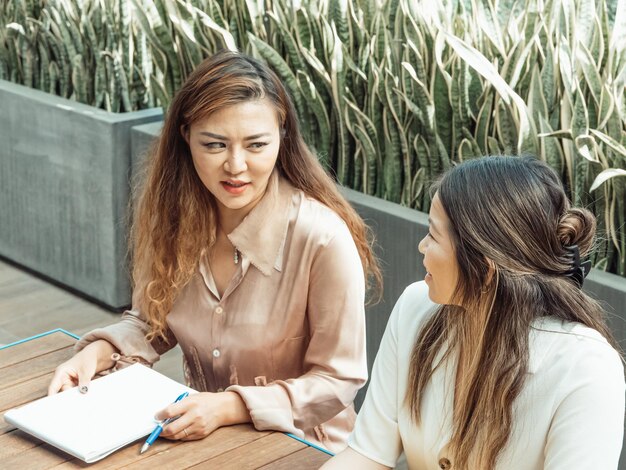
422	245
236	162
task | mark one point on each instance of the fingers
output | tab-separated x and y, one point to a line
58	384
55	385
181	430
67	386
181	422
192	418
62	380
183	435
171	411
71	374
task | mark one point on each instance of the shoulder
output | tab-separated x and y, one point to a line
560	346
318	222
412	310
555	334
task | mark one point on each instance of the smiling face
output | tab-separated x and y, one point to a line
439	256
234	152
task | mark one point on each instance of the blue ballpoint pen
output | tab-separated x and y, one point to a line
157	431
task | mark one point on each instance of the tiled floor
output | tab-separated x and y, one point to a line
30	305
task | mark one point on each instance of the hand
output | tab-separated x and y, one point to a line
202	413
80	369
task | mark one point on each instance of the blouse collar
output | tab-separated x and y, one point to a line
261	235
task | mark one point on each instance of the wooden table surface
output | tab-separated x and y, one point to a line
26	370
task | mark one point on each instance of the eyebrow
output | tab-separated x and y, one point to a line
221	137
432	225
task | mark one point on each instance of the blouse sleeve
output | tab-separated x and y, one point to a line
376	434
128	336
588	426
335	360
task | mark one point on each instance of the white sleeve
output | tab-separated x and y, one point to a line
588	425
376	434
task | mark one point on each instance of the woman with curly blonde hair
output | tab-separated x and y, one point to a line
247	256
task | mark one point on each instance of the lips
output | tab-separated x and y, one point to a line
234	186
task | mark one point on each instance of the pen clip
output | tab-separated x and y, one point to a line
181	396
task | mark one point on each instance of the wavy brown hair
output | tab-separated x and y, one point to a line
510	222
175	218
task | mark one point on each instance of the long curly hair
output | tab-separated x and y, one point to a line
511	224
175	216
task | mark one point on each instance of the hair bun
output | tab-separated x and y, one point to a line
577	226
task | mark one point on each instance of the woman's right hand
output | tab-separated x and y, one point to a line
80	369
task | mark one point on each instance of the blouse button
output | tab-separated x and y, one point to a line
115	357
445	464
219	310
216	353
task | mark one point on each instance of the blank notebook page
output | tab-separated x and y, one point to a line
118	409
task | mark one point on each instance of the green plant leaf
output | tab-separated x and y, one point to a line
610	141
606	175
478	62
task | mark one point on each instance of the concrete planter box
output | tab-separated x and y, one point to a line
64	190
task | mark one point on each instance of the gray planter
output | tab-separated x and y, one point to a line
64	190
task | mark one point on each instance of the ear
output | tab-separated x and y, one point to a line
184	131
491	271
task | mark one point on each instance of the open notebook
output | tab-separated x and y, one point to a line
118	409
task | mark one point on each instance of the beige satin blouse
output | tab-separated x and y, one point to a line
288	335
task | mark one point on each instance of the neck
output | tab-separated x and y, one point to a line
229	219
229	222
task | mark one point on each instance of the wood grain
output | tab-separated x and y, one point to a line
39	457
16	442
25	375
231	438
46	344
35	367
254	455
4	426
24	392
304	459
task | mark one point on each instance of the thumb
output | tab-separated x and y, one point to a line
84	379
169	412
162	415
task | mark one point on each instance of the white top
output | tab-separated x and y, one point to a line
569	415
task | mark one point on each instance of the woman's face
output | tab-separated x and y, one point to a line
234	151
442	270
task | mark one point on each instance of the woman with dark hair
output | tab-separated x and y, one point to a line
498	359
248	257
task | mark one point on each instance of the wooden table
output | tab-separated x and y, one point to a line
25	371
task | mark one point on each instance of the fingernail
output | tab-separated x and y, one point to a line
83	389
